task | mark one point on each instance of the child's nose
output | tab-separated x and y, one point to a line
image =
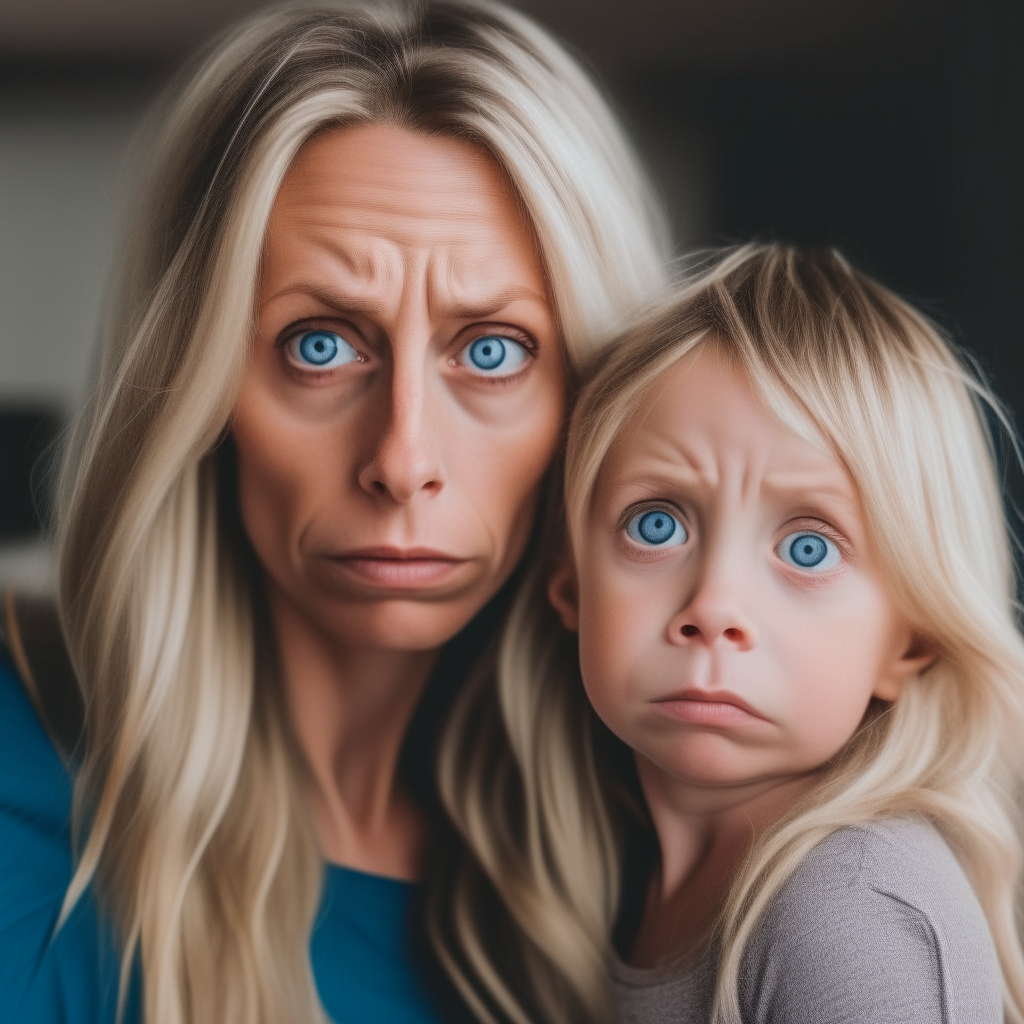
713	616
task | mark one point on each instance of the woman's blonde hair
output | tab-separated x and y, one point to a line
191	798
858	372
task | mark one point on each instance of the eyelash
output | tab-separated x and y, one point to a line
477	331
810	524
299	327
649	506
640	508
813	525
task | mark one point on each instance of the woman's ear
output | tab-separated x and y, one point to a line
915	655
563	593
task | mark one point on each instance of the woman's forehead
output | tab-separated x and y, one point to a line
368	170
383	206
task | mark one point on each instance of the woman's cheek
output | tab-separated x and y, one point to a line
498	454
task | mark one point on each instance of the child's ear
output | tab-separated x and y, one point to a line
916	654
563	593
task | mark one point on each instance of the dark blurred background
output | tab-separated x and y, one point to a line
891	128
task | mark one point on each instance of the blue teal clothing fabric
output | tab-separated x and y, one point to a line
361	946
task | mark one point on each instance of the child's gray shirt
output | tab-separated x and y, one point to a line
878	925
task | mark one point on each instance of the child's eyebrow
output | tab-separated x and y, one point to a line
656	480
827	493
813	484
836	501
826	483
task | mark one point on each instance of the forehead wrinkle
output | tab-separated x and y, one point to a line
755	472
373	259
695	461
454	294
441	274
703	445
665	456
820	478
360	279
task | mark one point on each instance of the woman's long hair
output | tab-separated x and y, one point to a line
192	799
859	373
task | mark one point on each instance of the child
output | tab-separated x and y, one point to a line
793	588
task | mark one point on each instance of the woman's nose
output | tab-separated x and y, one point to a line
714	615
406	459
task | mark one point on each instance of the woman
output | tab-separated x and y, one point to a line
371	247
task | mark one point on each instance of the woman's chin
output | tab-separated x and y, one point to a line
396	624
360	611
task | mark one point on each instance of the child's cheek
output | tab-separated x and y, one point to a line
825	685
621	631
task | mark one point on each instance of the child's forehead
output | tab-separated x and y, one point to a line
709	391
707	415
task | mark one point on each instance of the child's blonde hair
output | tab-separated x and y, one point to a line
855	370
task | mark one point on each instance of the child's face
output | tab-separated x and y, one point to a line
733	618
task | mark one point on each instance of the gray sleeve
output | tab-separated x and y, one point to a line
877	925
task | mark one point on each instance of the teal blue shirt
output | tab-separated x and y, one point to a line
360	948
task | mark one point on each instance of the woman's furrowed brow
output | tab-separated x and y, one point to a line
367	305
333	299
487	305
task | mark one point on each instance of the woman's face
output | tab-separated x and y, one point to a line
406	390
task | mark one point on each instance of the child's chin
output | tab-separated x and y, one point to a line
709	760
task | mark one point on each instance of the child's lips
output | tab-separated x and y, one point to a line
709	707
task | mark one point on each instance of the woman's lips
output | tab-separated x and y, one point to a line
709	707
389	568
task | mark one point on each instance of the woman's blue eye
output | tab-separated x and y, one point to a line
321	349
809	551
494	356
656	529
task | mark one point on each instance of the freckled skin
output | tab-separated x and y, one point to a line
403	244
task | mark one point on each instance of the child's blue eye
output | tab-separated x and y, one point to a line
494	356
809	551
320	349
656	528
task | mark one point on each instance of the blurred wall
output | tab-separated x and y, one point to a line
60	202
65	127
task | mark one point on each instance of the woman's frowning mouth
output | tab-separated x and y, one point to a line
398	568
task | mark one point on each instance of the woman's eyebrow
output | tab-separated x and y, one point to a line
339	302
483	308
365	305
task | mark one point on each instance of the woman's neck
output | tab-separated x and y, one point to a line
704	834
350	709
